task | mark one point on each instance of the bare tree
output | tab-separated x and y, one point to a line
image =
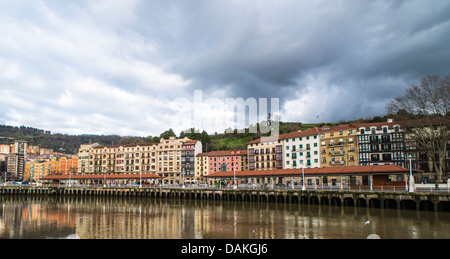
428	108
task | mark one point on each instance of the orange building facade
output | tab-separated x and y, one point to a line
68	166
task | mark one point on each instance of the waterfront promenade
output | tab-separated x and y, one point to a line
437	200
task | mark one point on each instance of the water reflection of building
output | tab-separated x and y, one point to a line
130	219
35	219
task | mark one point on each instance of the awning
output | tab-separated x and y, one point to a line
327	171
101	177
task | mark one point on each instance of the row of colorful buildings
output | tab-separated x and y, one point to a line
21	162
182	160
378	143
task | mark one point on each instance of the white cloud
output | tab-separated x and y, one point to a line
78	76
118	66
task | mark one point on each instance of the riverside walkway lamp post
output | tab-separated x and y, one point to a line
303	179
183	172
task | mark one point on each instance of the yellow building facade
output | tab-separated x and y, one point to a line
201	167
34	171
163	158
338	146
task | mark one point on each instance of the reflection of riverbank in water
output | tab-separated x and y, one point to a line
178	218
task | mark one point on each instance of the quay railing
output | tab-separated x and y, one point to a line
441	188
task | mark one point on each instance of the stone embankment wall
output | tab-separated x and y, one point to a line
391	200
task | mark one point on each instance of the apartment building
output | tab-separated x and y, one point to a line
33	152
15	164
381	143
265	153
220	161
338	146
68	166
45	153
36	170
301	149
169	160
5	149
83	157
123	159
227	160
189	150
201	167
422	159
164	158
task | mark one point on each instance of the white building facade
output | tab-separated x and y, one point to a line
301	149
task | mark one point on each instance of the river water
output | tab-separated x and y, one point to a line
134	218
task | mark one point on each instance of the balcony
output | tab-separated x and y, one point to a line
342	152
337	163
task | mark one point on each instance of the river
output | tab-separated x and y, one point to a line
23	217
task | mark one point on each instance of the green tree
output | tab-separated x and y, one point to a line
167	134
151	139
194	134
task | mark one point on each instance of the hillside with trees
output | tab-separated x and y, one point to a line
228	140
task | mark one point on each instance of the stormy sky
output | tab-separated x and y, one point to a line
131	67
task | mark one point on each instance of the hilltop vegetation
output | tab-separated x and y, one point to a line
63	143
218	141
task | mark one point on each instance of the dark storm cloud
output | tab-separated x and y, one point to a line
124	62
373	49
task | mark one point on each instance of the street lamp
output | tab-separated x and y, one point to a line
182	171
303	179
70	177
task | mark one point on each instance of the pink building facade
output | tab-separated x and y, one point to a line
227	160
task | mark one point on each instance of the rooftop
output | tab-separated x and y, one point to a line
100	177
344	170
225	153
